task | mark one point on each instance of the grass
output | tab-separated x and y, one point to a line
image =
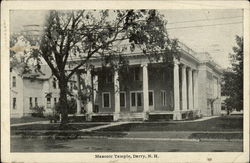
26	120
216	136
227	123
54	126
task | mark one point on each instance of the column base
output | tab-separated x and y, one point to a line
116	116
145	116
177	115
89	117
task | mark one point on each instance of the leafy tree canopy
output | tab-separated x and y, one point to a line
103	34
232	86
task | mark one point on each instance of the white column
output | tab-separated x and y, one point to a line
195	79
184	88
190	89
95	86
145	87
78	101
116	94
176	87
89	85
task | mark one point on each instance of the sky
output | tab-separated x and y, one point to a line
211	31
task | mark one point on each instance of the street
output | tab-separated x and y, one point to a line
119	145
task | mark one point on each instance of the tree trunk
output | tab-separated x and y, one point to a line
63	102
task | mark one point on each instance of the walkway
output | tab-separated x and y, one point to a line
30	123
104	126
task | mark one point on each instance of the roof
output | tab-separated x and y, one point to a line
43	74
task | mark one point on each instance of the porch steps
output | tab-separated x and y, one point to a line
131	116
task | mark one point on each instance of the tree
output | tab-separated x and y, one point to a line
232	86
98	34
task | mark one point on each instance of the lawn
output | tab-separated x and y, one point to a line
55	126
227	123
26	120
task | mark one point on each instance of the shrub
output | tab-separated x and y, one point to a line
37	111
72	107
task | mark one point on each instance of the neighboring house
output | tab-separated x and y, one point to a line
37	88
151	89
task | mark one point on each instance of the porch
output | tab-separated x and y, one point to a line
173	94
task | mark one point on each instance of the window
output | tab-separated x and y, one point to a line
71	86
55	101
136	74
36	103
48	102
13	81
54	83
106	100
136	99
108	78
122	99
31	104
133	100
139	99
14	103
150	98
163	98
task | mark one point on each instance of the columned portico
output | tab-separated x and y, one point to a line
145	89
190	90
116	95
177	114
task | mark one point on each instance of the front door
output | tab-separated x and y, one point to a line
136	101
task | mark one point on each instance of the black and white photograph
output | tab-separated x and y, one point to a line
126	83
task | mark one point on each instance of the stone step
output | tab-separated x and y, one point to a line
131	116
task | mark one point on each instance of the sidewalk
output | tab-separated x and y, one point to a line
104	126
30	123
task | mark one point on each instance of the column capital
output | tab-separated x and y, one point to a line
176	61
144	65
183	66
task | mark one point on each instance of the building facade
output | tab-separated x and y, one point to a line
149	90
146	90
32	89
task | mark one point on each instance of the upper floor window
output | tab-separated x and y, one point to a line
13	81
55	101
14	103
136	74
108	78
54	83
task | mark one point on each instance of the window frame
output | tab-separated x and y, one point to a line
48	105
14	81
54	83
124	92
136	98
14	103
36	101
163	94
136	73
103	99
153	100
55	101
30	102
108	78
